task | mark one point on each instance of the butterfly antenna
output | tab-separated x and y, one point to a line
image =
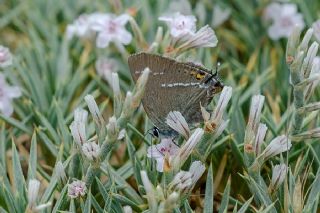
217	69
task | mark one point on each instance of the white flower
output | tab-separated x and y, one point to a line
5	57
279	173
33	190
284	18
187	148
81	27
159	152
220	15
7	93
205	37
277	145
180	25
78	126
177	122
111	28
316	29
77	188
105	67
91	150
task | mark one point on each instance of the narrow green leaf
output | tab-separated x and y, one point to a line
8	198
225	198
187	207
32	169
62	200
16	123
314	194
47	142
245	206
208	200
87	205
3	149
125	201
96	205
18	178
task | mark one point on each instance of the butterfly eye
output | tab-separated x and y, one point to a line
155	132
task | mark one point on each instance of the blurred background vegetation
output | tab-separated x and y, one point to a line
56	73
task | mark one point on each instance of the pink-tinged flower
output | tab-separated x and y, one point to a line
77	188
162	152
5	57
316	30
279	173
105	67
277	145
91	150
7	93
81	27
220	15
284	18
111	28
180	25
177	122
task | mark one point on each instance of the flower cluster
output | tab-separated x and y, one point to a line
304	68
184	35
255	134
284	18
108	28
7	93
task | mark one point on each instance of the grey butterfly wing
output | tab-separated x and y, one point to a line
172	86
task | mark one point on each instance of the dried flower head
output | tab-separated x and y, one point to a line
279	173
91	150
77	188
277	145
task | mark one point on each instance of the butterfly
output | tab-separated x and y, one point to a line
173	86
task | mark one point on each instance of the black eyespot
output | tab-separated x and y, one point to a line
155	132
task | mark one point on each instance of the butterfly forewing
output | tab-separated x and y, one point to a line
172	86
